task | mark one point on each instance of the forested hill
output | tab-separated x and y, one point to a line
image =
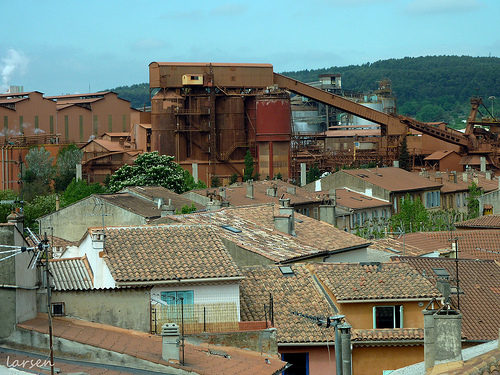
431	88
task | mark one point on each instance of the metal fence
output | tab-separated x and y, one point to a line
196	318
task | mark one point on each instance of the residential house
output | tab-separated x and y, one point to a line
455	189
355	212
471	244
257	192
121	271
18	288
389	184
489	201
382	302
272	234
482	222
133	206
309	348
478	299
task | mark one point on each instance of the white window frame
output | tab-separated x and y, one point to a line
394	316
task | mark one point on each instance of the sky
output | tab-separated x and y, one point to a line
69	47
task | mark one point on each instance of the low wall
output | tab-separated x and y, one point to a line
263	341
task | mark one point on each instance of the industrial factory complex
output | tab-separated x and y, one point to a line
209	115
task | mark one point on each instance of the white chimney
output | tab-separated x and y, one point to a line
250	189
166	210
285	220
303	174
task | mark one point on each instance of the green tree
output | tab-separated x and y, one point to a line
412	216
150	168
234	179
6	209
404	157
191	184
313	173
472	201
37	174
249	167
215	182
78	190
37	207
67	159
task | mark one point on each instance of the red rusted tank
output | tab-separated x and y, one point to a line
273	134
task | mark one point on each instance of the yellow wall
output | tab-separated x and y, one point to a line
360	315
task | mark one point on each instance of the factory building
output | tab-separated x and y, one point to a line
209	115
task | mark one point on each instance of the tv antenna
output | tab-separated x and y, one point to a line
39	249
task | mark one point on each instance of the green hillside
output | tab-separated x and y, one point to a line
430	88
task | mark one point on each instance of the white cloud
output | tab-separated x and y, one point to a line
13	62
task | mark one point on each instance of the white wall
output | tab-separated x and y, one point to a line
216	293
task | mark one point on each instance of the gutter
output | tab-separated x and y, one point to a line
388	300
326	253
180	281
18	287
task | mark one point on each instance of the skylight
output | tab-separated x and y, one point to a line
231	229
441	273
286	271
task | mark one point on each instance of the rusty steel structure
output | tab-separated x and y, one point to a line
210	115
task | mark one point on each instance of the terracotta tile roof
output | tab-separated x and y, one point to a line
472	244
152	193
198	358
351	199
237	195
166	252
388	335
480	283
60	242
71	273
378	281
291	295
450	186
481	222
484	364
397	247
392	179
258	234
300	294
428	242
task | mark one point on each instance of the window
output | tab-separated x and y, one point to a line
299	362
180	305
388	316
315	213
57	308
384	213
464	200
174	298
458	200
374	214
